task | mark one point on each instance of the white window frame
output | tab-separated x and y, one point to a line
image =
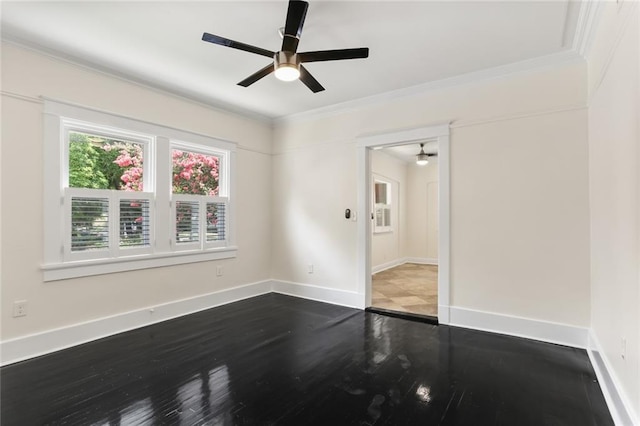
202	200
59	263
113	196
379	207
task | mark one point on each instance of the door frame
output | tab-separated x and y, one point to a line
365	144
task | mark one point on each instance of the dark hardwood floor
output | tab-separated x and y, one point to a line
279	360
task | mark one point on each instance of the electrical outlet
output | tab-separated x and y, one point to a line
19	308
623	347
310	268
219	271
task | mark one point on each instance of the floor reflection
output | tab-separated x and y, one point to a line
278	360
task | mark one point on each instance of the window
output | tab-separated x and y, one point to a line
108	212
382	206
198	195
121	194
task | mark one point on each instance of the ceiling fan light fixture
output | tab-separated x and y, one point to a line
287	66
422	158
287	73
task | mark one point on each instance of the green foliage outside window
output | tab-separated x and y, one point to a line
101	163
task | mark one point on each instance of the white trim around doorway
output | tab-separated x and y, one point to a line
365	144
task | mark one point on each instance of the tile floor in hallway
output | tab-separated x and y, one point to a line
410	287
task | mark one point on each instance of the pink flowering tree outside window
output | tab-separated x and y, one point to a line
133	220
195	173
130	162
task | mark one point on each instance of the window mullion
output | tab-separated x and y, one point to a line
67	227
230	202
165	206
55	215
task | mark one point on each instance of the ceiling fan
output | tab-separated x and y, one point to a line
422	158
287	62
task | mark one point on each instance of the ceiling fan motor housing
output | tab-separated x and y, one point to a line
286	59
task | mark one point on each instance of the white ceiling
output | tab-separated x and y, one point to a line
411	43
408	152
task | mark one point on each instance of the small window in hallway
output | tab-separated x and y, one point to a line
382	202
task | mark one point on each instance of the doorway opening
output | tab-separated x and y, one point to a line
403	243
404	238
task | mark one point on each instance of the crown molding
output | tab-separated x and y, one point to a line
588	19
503	71
182	95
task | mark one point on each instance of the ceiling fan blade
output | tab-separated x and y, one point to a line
257	76
334	55
309	81
293	27
236	45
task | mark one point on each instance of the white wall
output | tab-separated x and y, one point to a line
27	75
422	211
614	161
388	247
309	228
520	239
519	223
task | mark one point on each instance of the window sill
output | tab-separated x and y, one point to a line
86	268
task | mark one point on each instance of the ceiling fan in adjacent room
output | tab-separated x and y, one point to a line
422	158
287	62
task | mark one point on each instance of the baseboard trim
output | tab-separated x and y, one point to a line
444	314
618	402
350	299
528	328
34	345
402	261
31	346
421	260
387	265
